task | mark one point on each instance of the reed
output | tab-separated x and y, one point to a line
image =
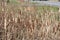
29	23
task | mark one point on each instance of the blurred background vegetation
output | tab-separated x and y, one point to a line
20	21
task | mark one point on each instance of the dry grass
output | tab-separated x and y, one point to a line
29	23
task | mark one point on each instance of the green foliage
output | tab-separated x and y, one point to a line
14	1
48	8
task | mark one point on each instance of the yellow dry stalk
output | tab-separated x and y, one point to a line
48	22
29	9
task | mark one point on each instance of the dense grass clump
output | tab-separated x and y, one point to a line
29	23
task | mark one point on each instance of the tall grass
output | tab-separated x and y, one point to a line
30	23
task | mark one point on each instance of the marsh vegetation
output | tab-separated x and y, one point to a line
29	22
